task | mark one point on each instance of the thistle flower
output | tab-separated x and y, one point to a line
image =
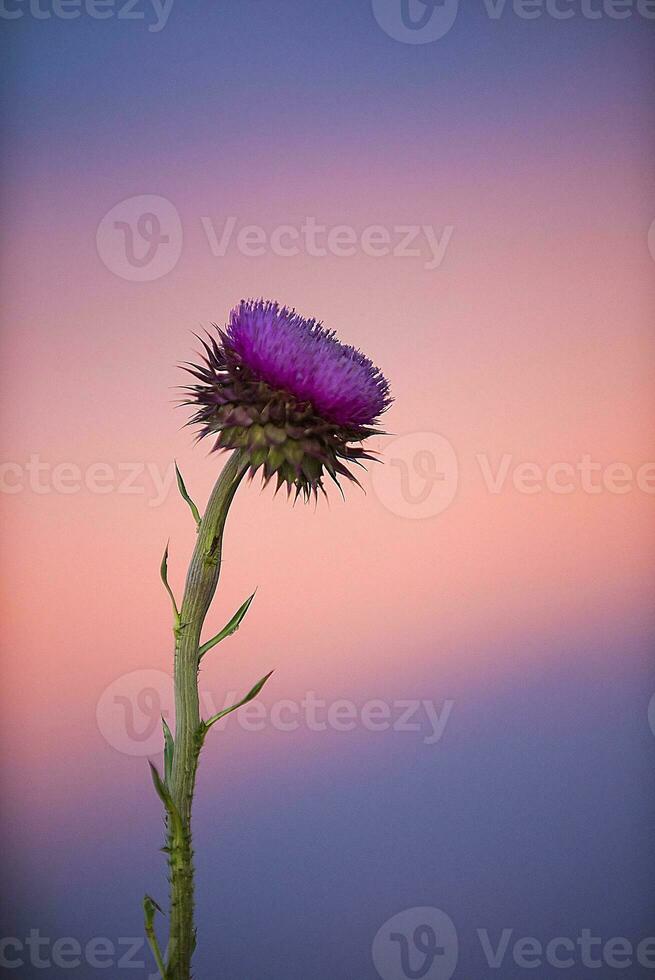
284	391
285	396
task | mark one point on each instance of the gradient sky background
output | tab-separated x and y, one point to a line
531	612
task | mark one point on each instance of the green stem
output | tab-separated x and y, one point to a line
201	582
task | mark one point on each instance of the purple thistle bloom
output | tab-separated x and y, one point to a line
288	351
287	393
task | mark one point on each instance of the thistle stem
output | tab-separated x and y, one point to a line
201	581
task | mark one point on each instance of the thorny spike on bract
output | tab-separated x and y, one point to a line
288	394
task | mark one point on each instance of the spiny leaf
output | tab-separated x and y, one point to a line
163	571
249	697
162	792
231	627
185	496
167	800
150	907
169	748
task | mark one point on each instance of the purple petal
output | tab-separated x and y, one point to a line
299	355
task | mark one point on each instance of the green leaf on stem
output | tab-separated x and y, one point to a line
150	908
249	697
185	496
163	571
167	800
228	630
160	788
169	748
